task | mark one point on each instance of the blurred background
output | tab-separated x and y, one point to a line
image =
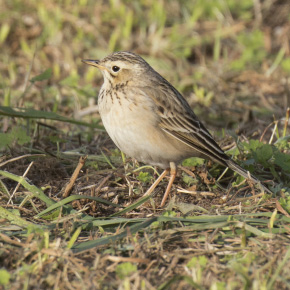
230	59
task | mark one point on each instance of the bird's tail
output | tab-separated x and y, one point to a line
235	167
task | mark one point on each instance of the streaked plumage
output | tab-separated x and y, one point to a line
148	119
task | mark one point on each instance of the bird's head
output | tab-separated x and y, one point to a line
120	67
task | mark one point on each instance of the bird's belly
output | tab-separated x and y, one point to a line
136	133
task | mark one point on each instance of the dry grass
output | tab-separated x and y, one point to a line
231	61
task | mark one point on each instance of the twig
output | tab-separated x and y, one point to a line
187	171
17	186
194	192
8	240
127	259
19	157
273	133
102	183
281	209
74	176
261	138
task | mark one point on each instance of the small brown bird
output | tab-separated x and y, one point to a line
148	119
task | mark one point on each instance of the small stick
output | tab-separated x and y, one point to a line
156	182
8	240
262	136
281	209
74	176
18	184
273	133
19	157
127	259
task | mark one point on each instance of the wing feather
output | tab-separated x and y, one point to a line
178	120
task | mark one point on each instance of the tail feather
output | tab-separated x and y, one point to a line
235	167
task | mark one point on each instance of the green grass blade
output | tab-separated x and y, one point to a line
74	237
132	206
37	192
278	270
73	198
28	113
106	240
116	221
14	219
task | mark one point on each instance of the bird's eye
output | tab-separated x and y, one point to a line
115	68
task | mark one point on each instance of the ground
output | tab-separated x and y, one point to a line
72	210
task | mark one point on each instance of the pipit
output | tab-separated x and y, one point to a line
149	120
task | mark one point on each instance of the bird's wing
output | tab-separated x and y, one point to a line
178	120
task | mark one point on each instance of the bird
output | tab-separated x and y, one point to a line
149	120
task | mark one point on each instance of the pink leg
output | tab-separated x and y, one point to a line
172	177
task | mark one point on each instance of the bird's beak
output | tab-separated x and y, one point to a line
93	63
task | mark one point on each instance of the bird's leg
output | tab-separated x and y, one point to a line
172	177
152	187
